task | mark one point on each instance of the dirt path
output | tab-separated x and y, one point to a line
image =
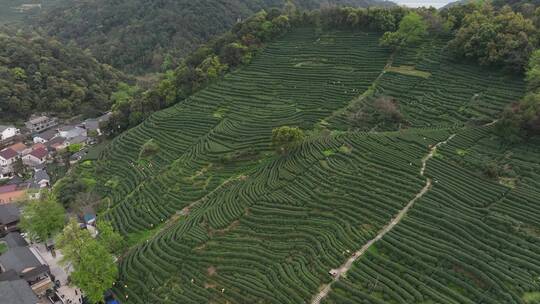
325	289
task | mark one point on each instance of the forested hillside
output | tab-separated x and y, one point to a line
39	73
140	36
19	11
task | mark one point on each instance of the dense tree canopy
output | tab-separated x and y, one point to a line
522	119
141	36
94	270
412	29
43	219
496	37
284	138
41	74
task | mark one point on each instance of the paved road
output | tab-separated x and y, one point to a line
325	289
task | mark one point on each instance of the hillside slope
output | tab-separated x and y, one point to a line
40	74
215	216
143	36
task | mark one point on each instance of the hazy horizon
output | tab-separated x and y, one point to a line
418	3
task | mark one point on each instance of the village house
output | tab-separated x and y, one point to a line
9	218
56	144
44	137
40	123
7	158
42	179
24	263
12	193
36	157
20	148
94	124
7	132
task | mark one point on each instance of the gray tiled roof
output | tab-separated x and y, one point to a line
14	239
17	292
9	213
19	259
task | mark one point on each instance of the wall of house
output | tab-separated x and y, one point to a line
14	196
9	132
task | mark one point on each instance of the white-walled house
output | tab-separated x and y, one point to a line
36	157
7	132
7	158
45	136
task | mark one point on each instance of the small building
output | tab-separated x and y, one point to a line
8	132
89	219
77	156
27	264
17	291
7	158
42	179
9	218
45	136
12	193
40	123
20	148
56	144
36	157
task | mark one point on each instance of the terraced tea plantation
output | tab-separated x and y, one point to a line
218	217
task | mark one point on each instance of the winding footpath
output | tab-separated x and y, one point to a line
325	289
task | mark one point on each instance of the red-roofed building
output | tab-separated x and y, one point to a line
11	193
36	157
20	148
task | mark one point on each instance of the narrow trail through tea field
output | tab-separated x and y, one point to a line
337	273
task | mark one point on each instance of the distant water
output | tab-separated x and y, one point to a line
418	3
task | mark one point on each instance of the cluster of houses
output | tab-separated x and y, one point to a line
30	274
25	276
36	146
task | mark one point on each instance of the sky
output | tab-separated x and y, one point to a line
417	3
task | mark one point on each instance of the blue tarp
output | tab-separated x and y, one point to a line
112	302
89	217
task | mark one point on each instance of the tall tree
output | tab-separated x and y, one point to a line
94	270
412	29
284	138
492	37
43	219
109	238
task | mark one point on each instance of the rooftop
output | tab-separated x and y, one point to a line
8	153
8	188
18	147
39	152
47	135
9	213
2	127
41	175
14	239
38	119
20	259
17	292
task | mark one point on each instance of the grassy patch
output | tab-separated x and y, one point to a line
220	113
409	71
329	152
136	238
461	152
531	297
509	182
3	247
